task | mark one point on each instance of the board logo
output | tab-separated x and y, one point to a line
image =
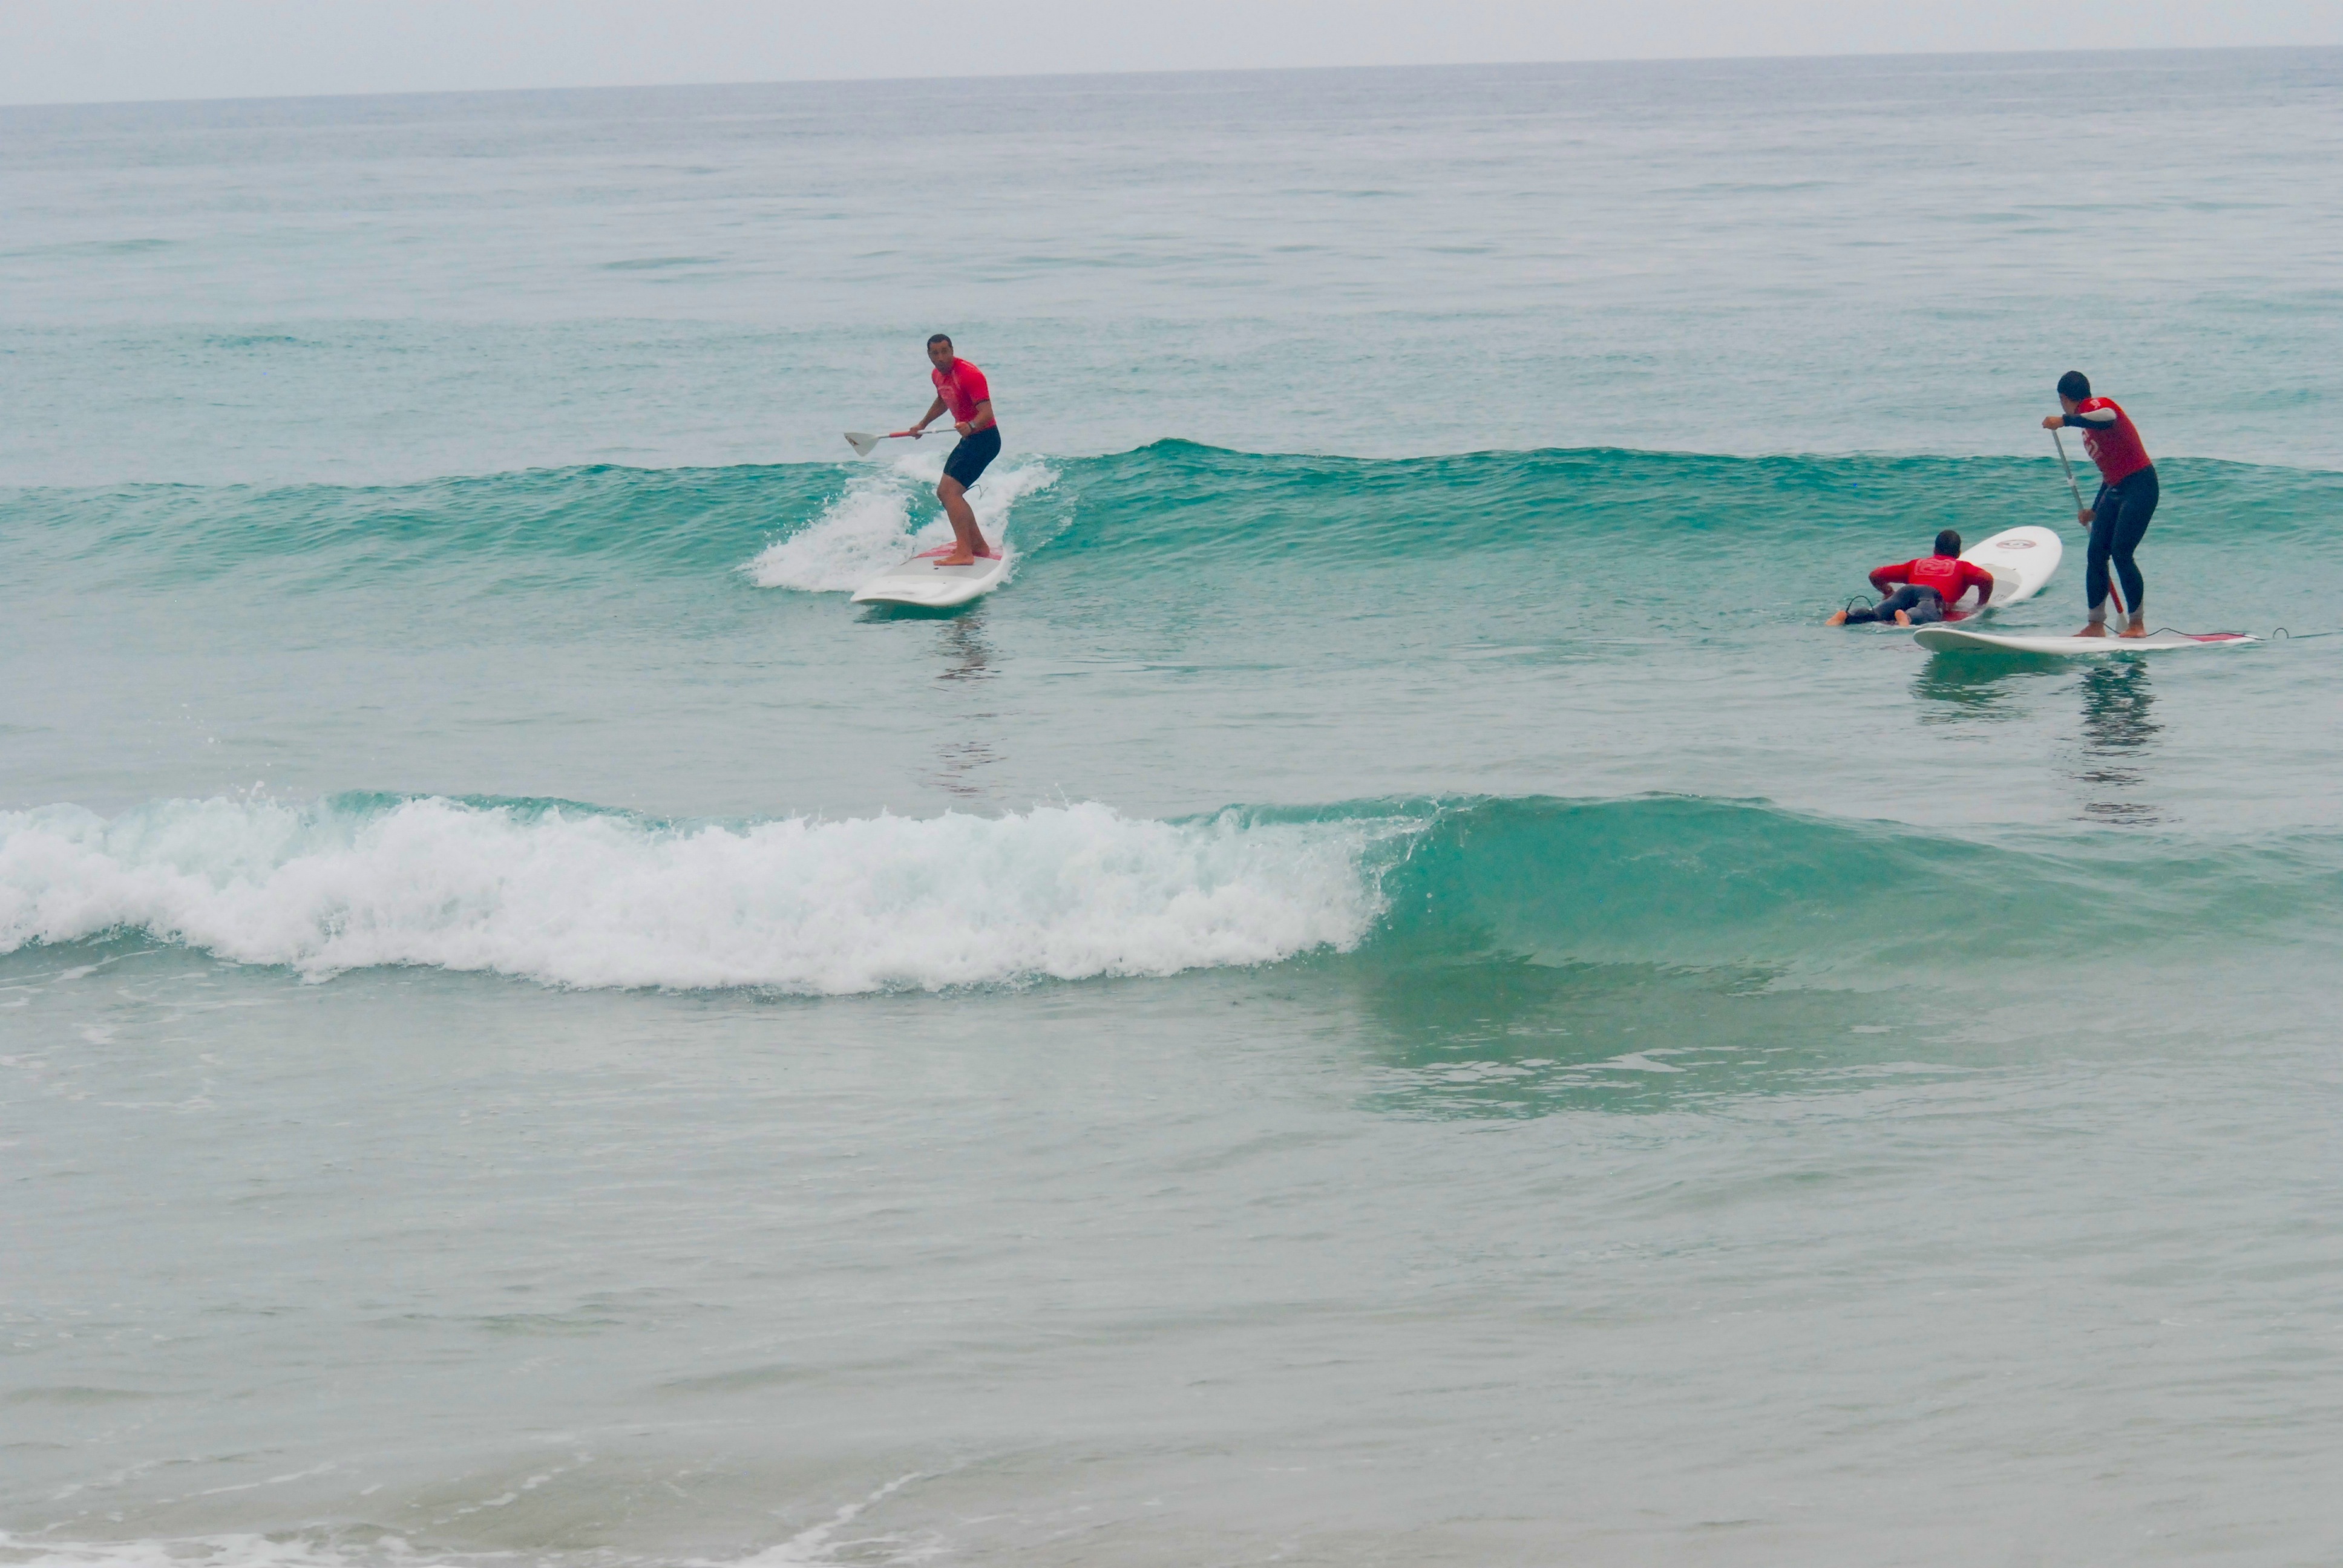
2017	544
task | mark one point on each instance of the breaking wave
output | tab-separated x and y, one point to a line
572	895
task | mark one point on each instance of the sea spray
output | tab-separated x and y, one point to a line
870	526
574	897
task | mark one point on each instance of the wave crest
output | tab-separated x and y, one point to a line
571	896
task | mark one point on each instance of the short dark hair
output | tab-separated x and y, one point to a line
940	337
2074	384
1948	543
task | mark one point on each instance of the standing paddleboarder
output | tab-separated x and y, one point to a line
961	387
2127	499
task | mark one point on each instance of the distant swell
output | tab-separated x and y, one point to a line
573	895
827	527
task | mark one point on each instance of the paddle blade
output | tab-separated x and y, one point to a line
863	444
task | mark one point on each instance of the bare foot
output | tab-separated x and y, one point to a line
1902	620
2137	629
1838	617
962	559
2096	628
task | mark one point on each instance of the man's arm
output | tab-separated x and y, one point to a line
1881	577
982	419
2096	419
1979	578
928	418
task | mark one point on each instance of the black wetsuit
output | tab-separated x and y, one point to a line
2120	515
1920	606
2119	518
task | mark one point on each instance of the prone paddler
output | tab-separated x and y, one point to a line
1922	589
2126	500
962	387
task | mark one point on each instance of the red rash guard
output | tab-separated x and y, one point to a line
1949	574
2110	438
963	387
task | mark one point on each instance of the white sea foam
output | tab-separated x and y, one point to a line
815	1545
227	1551
869	527
813	1548
586	899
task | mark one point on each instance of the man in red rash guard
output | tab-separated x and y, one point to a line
1932	586
2126	500
961	387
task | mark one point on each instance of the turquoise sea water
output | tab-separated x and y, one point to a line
1392	997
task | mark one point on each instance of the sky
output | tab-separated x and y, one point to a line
80	51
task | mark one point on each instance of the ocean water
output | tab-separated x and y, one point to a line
1392	997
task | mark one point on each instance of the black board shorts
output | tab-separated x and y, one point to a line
973	455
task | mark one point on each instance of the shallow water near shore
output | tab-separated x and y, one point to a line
1392	997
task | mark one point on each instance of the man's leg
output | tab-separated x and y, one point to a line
2104	513
1927	605
2138	509
1864	615
969	541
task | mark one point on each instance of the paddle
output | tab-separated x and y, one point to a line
864	445
2057	439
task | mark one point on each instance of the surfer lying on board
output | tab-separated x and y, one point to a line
2127	499
1932	585
961	387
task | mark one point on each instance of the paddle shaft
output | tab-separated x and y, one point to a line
863	442
2057	439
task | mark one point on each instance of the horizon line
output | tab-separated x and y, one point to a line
1192	71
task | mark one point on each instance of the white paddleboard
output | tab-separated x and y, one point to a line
924	582
1956	639
2022	561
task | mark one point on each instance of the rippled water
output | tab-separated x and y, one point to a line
1392	997
1741	257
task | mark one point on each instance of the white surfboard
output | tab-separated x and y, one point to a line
2022	560
924	582
1958	640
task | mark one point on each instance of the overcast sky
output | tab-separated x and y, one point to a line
67	51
